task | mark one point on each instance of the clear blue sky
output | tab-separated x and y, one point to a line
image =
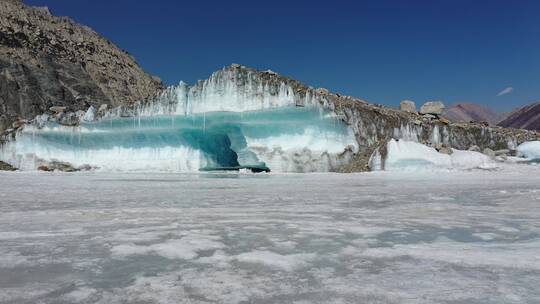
382	51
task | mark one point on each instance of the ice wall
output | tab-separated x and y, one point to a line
246	92
230	89
283	139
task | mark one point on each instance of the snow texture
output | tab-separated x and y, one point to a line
378	237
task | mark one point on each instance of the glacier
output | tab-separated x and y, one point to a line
236	119
285	139
240	118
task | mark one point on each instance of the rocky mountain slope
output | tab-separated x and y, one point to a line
466	112
48	61
527	117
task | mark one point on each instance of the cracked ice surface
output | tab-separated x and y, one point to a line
459	237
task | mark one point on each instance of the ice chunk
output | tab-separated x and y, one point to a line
411	156
408	155
375	161
530	150
90	114
471	160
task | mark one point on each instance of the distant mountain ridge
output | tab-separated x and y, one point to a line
527	117
466	112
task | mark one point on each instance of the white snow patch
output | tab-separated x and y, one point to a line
186	248
271	259
411	156
486	236
471	160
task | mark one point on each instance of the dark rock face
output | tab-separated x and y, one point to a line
527	117
466	112
6	167
50	61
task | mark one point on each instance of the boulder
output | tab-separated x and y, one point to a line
489	152
57	110
444	121
432	107
60	166
501	157
6	167
44	168
64	167
322	91
505	152
85	167
429	116
18	123
445	150
407	106
474	148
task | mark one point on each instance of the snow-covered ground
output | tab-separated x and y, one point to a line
381	237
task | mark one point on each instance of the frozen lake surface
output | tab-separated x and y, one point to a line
462	237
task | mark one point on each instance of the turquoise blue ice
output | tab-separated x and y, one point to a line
285	139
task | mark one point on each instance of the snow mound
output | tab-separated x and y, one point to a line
471	160
530	149
412	156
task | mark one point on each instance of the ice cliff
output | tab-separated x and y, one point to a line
239	118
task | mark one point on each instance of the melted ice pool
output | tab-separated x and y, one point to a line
460	237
